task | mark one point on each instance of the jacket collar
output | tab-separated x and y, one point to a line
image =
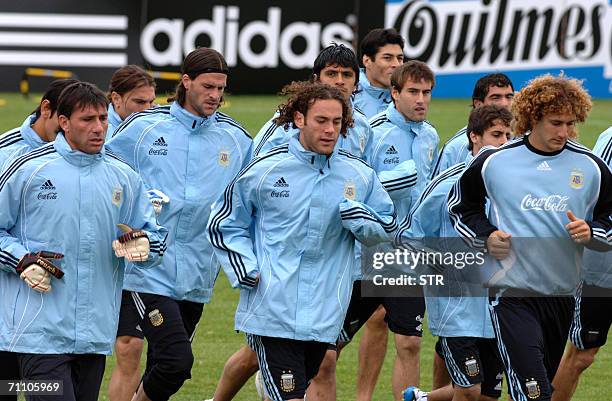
400	121
317	161
29	135
374	91
76	157
113	118
190	121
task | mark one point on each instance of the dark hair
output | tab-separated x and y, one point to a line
483	118
128	78
414	70
80	95
52	94
377	38
336	54
200	61
303	94
481	89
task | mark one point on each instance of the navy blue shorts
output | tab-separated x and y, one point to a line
286	365
531	335
404	315
472	360
592	317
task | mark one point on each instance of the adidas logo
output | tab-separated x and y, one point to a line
48	185
281	183
391	150
160	142
544	166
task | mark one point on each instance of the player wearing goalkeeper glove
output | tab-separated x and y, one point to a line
38	128
60	206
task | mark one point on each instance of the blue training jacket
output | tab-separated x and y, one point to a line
191	159
60	200
291	218
371	99
454	151
402	155
114	121
19	141
448	316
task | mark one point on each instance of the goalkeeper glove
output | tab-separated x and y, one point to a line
157	199
36	270
132	244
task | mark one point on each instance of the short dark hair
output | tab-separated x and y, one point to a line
52	94
377	38
303	94
481	89
200	61
128	78
336	54
414	70
483	118
78	96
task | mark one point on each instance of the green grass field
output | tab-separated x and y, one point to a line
215	340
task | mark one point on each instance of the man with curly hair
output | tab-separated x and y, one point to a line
557	201
284	232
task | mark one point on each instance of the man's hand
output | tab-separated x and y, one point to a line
132	244
36	270
578	229
498	244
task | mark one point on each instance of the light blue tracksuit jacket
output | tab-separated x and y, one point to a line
291	218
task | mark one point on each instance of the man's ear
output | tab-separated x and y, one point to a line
298	119
115	99
366	60
394	94
185	80
473	138
64	123
45	109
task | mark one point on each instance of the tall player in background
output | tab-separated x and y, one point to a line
592	312
382	51
189	152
